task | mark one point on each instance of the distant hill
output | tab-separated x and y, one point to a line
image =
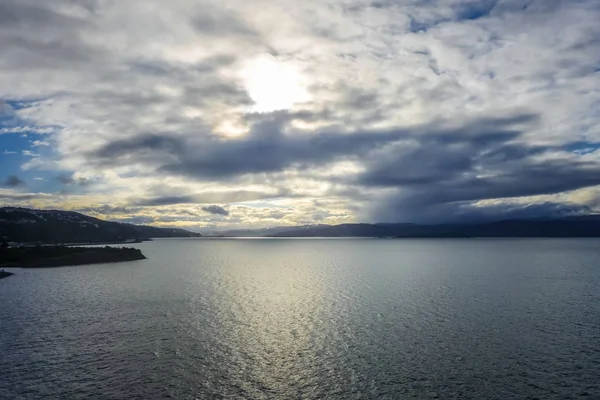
585	226
258	232
53	226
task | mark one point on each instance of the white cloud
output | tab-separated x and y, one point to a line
27	129
29	153
97	73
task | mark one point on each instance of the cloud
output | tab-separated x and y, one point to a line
205	197
15	197
413	110
219	23
29	153
27	129
71	180
165	200
107	209
136	220
14	181
217	210
522	211
438	178
265	149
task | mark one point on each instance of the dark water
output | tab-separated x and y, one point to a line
310	319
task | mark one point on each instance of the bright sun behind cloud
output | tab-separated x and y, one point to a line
274	85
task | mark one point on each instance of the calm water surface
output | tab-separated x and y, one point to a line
310	319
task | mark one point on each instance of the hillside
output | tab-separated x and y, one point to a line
273	231
585	226
52	226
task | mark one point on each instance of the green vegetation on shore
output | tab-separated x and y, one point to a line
58	256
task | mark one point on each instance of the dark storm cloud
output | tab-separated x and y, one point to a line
467	212
217	210
268	149
148	81
433	180
521	211
148	149
265	149
444	157
462	172
435	172
14	181
233	196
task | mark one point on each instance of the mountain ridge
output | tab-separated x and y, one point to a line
28	225
258	232
575	226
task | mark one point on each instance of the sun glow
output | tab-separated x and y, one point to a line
274	85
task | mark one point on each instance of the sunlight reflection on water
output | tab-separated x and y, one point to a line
310	319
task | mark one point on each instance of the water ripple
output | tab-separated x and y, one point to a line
310	319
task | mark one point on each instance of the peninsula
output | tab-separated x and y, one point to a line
59	256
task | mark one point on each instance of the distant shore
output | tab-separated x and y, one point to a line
71	244
108	243
59	256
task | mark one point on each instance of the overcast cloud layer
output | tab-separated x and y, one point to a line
229	113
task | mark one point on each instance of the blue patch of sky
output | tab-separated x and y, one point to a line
12	157
582	147
17	136
474	10
469	11
11	153
21	104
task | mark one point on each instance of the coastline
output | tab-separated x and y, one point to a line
62	256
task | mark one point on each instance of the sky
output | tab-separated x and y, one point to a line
234	113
